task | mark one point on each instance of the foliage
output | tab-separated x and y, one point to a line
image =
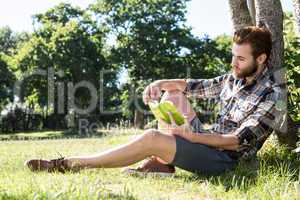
6	83
68	41
148	40
153	42
9	40
19	117
292	64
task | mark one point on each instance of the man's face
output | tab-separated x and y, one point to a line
243	64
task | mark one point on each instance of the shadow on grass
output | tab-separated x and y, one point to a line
279	161
242	177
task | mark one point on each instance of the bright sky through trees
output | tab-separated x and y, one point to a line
205	17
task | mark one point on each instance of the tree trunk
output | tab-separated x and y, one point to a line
269	14
288	136
297	14
251	5
138	119
239	14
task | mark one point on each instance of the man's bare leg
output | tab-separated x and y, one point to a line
151	143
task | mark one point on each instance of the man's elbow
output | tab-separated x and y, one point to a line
235	140
232	142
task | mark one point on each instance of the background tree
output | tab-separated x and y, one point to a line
69	41
292	63
153	42
297	13
252	11
144	40
240	15
6	83
9	40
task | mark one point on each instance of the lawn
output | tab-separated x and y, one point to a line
274	175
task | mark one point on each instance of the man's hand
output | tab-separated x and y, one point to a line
183	130
219	141
151	92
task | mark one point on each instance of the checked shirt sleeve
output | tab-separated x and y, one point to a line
257	127
205	88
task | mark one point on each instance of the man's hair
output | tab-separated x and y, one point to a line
259	39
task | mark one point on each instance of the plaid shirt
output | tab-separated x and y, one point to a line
247	110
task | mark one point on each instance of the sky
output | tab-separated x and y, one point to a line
205	17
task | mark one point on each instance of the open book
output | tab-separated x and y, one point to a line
160	111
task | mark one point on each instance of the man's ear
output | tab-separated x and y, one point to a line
261	58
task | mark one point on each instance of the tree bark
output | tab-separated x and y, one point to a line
251	6
239	14
138	119
297	14
269	14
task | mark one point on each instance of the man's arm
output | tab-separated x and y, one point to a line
171	84
222	141
258	125
200	88
255	127
153	91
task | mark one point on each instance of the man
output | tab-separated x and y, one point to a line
247	97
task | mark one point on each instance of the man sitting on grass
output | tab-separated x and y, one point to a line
247	97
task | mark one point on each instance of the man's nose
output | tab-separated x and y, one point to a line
233	62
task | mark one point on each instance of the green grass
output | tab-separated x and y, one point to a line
276	176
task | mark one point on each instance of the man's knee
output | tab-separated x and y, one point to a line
150	137
151	134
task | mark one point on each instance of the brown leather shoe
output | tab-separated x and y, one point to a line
152	167
55	165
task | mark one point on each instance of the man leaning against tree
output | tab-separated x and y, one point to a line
248	114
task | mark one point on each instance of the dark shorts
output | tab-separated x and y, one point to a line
200	158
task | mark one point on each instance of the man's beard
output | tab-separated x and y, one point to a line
246	72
